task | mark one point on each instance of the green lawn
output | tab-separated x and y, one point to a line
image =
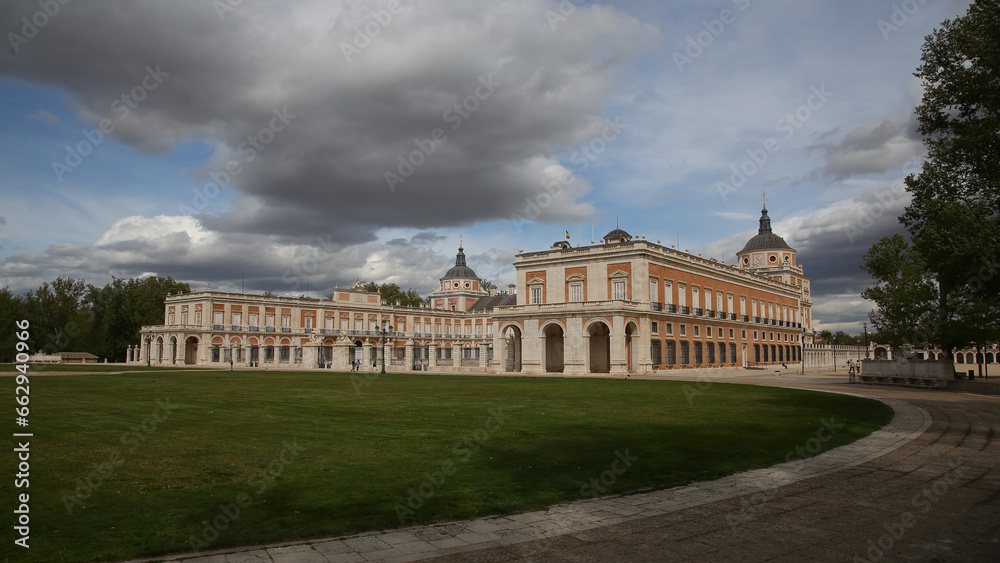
355	456
89	368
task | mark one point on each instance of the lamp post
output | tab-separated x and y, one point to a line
385	330
802	351
149	348
866	339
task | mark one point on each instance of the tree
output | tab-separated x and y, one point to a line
905	298
945	286
12	310
59	321
392	294
121	308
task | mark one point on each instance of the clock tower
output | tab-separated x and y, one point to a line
767	254
460	287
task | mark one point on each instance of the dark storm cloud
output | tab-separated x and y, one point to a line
305	129
874	148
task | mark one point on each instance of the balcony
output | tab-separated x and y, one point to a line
308	330
710	313
699	312
236	328
685	310
746	318
756	320
656	305
268	329
286	329
732	316
671	308
253	328
218	327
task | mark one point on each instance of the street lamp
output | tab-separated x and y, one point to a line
802	351
149	348
866	339
385	330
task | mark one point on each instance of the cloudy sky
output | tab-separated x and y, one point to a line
315	142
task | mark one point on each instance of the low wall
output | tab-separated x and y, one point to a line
912	373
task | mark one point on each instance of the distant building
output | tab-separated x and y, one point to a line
621	306
63	358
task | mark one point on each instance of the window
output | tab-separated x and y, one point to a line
653	286
668	292
744	335
184	317
683	330
671	352
197	316
416	326
743	305
720	332
254	318
618	289
718	301
656	329
576	292
670	328
329	322
215	353
730	334
269	319
437	328
695	297
237	319
536	295
216	318
697	330
309	322
170	319
708	331
286	321
285	354
447	329
655	352
682	295
755	335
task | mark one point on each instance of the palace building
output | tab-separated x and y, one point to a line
624	305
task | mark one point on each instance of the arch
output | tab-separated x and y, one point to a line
881	353
159	350
512	347
631	346
598	347
553	341
959	358
969	358
173	350
191	350
218	340
990	357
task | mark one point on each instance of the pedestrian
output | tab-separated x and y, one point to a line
374	364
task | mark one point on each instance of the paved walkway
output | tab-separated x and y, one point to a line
925	487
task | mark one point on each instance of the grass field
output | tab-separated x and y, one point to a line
137	465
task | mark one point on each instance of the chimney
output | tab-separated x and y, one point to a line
512	289
492	291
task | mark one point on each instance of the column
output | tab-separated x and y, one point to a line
532	347
432	355
619	363
484	355
408	359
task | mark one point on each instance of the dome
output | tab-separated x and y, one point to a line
617	235
765	239
460	270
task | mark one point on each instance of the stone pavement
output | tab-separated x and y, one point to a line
925	487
